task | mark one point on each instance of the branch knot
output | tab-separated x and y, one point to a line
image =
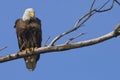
117	30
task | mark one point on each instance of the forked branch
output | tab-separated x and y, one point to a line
66	46
84	19
63	47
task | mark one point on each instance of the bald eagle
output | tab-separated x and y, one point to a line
29	35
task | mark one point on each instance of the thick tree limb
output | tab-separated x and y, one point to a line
63	47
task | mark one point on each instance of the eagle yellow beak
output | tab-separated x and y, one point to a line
32	14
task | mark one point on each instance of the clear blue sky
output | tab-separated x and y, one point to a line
97	62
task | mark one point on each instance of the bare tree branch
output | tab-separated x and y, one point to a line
117	2
71	39
91	8
83	19
107	9
45	44
63	47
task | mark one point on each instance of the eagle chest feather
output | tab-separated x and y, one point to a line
29	34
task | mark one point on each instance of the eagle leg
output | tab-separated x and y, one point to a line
33	49
26	50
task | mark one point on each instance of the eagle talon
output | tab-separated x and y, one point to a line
35	48
23	51
31	49
27	50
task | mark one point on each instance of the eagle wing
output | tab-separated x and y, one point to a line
19	25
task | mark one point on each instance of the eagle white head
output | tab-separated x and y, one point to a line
28	14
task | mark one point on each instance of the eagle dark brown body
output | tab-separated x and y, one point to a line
29	35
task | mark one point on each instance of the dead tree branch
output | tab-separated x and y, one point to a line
63	47
71	39
84	19
117	2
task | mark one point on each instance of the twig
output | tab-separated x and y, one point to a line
71	39
3	48
45	44
104	10
105	4
117	2
91	8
